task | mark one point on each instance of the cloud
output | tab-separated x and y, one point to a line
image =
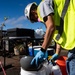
22	18
16	22
19	25
10	21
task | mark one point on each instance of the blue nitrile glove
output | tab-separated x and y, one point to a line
38	58
54	57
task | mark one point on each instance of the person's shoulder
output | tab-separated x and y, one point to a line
45	2
41	2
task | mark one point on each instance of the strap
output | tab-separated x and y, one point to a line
60	28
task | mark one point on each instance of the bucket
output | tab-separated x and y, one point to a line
27	69
61	61
40	72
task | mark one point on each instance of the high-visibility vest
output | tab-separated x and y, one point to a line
67	39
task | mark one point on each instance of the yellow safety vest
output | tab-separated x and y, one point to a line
67	39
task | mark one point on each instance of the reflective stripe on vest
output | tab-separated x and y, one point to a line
60	28
68	35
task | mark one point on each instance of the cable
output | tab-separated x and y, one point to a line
2	68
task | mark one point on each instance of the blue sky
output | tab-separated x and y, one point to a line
14	10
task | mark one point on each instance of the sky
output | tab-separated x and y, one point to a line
14	11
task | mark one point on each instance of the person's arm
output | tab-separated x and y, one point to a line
58	49
56	55
47	39
50	28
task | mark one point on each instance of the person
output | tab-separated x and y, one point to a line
49	12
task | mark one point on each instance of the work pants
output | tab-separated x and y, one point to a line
70	63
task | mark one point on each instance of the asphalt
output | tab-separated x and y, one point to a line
14	64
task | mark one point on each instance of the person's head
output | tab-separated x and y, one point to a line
31	12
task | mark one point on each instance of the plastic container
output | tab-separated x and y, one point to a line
56	70
40	72
45	70
48	68
36	49
62	64
30	50
49	52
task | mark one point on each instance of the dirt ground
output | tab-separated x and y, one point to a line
12	65
15	62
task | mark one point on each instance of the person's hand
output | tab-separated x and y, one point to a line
54	57
38	58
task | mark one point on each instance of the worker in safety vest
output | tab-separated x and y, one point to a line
60	26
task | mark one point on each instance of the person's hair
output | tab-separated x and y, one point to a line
33	7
